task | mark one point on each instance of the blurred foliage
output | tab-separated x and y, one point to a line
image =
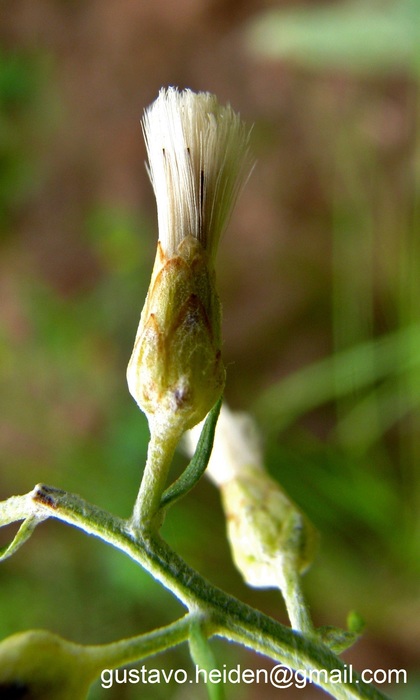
376	37
22	76
372	379
361	483
342	435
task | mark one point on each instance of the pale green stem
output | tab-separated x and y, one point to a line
296	605
224	615
159	458
125	651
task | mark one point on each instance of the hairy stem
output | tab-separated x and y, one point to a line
296	605
224	615
133	649
159	458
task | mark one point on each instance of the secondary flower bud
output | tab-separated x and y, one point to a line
269	536
198	157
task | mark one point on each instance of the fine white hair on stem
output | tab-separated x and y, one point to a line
198	161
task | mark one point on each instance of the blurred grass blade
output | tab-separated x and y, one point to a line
196	468
355	36
357	430
337	376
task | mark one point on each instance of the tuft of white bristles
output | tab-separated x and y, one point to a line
198	161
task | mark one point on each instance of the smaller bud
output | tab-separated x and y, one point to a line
270	539
268	534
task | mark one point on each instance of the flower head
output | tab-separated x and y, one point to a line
198	156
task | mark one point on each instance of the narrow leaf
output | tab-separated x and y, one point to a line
202	655
23	534
198	464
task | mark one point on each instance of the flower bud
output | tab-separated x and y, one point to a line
176	372
198	156
39	665
269	536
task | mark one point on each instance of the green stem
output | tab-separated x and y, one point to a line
296	605
159	458
127	651
225	615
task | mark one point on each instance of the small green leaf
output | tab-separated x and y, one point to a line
198	464
355	623
23	534
338	640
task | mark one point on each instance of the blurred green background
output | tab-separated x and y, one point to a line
319	275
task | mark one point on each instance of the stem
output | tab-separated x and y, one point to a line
159	458
225	615
127	651
296	605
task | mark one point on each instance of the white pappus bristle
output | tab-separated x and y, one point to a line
198	160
